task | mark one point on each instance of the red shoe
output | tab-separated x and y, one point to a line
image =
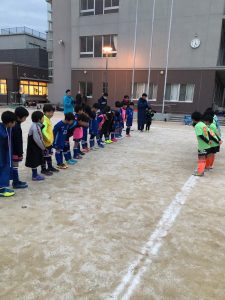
85	150
114	140
128	135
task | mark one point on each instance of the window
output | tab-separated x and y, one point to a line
98	7
91	46
111	6
86	46
87	7
85	89
3	87
180	92
33	88
140	88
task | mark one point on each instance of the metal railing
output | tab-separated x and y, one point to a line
23	30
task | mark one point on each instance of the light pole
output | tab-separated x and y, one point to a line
106	51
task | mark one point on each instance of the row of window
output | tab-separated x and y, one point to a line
33	88
92	46
174	92
98	7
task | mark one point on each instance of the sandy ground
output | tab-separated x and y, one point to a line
83	228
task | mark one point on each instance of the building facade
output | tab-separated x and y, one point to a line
23	65
138	31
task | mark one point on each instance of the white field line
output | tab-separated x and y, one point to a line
137	268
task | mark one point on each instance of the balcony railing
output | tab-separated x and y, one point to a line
23	30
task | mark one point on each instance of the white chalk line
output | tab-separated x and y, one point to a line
137	268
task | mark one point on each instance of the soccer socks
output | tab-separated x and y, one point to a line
212	160
59	157
208	161
34	173
15	175
92	142
201	165
67	155
49	162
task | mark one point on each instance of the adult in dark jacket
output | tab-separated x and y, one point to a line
103	102
142	105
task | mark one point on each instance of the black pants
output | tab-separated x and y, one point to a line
148	124
128	130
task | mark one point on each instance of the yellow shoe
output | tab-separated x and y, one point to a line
6	192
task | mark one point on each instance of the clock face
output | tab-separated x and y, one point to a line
195	43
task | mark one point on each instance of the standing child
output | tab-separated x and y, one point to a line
214	136
130	116
118	120
60	132
93	126
8	122
124	116
17	138
202	135
35	145
148	117
48	136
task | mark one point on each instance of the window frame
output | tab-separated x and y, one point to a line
179	88
86	88
105	10
154	90
35	86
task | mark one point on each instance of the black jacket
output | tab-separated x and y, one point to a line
17	140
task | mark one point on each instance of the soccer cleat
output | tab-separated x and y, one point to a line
198	174
62	167
38	178
71	162
20	185
114	140
6	192
46	172
107	142
52	169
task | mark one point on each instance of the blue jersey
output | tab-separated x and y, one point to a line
118	118
60	134
93	125
130	116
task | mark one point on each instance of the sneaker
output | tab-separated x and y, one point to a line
101	146
85	150
71	162
96	147
81	153
6	192
62	167
107	142
46	172
38	178
114	140
198	174
53	170
20	185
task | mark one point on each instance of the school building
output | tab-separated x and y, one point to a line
23	66
172	49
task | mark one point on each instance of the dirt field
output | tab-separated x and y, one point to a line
127	222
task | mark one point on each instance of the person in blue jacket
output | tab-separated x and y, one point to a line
8	122
130	117
142	106
68	102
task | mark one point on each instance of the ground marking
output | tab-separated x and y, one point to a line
137	268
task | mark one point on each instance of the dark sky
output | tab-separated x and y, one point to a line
30	13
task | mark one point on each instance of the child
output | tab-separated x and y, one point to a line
88	113
148	117
130	116
93	126
17	139
124	116
48	137
202	135
78	131
60	136
118	120
106	125
214	136
8	122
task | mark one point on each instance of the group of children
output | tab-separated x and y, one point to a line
209	139
103	126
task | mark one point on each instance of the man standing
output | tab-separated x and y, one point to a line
68	103
142	105
103	102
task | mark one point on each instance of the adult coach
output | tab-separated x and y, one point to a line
103	102
68	102
142	105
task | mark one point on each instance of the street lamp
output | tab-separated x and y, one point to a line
107	51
